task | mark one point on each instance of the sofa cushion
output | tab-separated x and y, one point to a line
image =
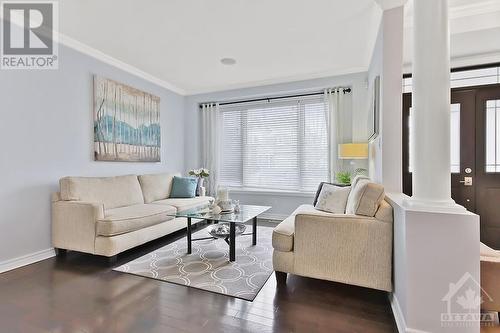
333	198
121	220
184	187
156	186
113	192
365	198
183	204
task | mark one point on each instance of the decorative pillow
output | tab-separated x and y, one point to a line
320	186
333	199
184	187
365	198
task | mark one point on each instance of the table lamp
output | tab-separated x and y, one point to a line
353	151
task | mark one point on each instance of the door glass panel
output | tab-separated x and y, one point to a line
492	136
454	139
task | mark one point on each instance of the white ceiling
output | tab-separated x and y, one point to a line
182	41
179	43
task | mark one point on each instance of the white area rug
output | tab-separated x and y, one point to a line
208	267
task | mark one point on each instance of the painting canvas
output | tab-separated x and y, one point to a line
126	123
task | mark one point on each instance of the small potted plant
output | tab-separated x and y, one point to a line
343	177
201	174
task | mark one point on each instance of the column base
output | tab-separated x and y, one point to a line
443	206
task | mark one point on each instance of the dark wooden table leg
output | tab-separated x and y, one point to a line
189	235
254	231
232	241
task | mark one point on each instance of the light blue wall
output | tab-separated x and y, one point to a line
282	205
46	133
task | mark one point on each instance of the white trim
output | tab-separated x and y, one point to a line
26	259
274	193
474	9
399	317
72	43
456	12
465	61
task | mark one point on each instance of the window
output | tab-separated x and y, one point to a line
492	136
277	145
465	78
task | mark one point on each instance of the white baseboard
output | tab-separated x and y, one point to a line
399	317
26	260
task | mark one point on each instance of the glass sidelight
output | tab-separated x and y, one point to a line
492	136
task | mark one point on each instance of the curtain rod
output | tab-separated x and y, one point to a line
345	90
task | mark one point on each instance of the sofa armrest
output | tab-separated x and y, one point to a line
345	248
74	224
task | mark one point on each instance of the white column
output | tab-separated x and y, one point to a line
431	106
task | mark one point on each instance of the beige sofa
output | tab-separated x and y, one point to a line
348	248
108	215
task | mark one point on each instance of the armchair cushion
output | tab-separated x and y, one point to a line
365	198
283	234
487	251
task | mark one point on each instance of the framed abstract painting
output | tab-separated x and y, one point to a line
126	123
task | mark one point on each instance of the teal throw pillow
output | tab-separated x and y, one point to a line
184	187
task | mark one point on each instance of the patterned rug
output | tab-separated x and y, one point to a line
208	267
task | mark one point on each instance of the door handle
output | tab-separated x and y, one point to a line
467	181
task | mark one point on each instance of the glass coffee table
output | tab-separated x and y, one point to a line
234	220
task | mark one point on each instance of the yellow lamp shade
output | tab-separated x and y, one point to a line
353	151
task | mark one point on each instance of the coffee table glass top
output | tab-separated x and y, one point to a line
247	212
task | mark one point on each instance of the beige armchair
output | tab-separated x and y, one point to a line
347	248
490	278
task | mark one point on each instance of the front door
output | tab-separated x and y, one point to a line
475	154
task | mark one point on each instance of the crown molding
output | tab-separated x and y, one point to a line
94	53
76	45
286	79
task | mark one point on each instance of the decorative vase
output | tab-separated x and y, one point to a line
203	191
199	186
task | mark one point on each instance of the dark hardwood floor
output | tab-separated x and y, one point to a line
80	293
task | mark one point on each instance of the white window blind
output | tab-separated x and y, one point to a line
277	144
